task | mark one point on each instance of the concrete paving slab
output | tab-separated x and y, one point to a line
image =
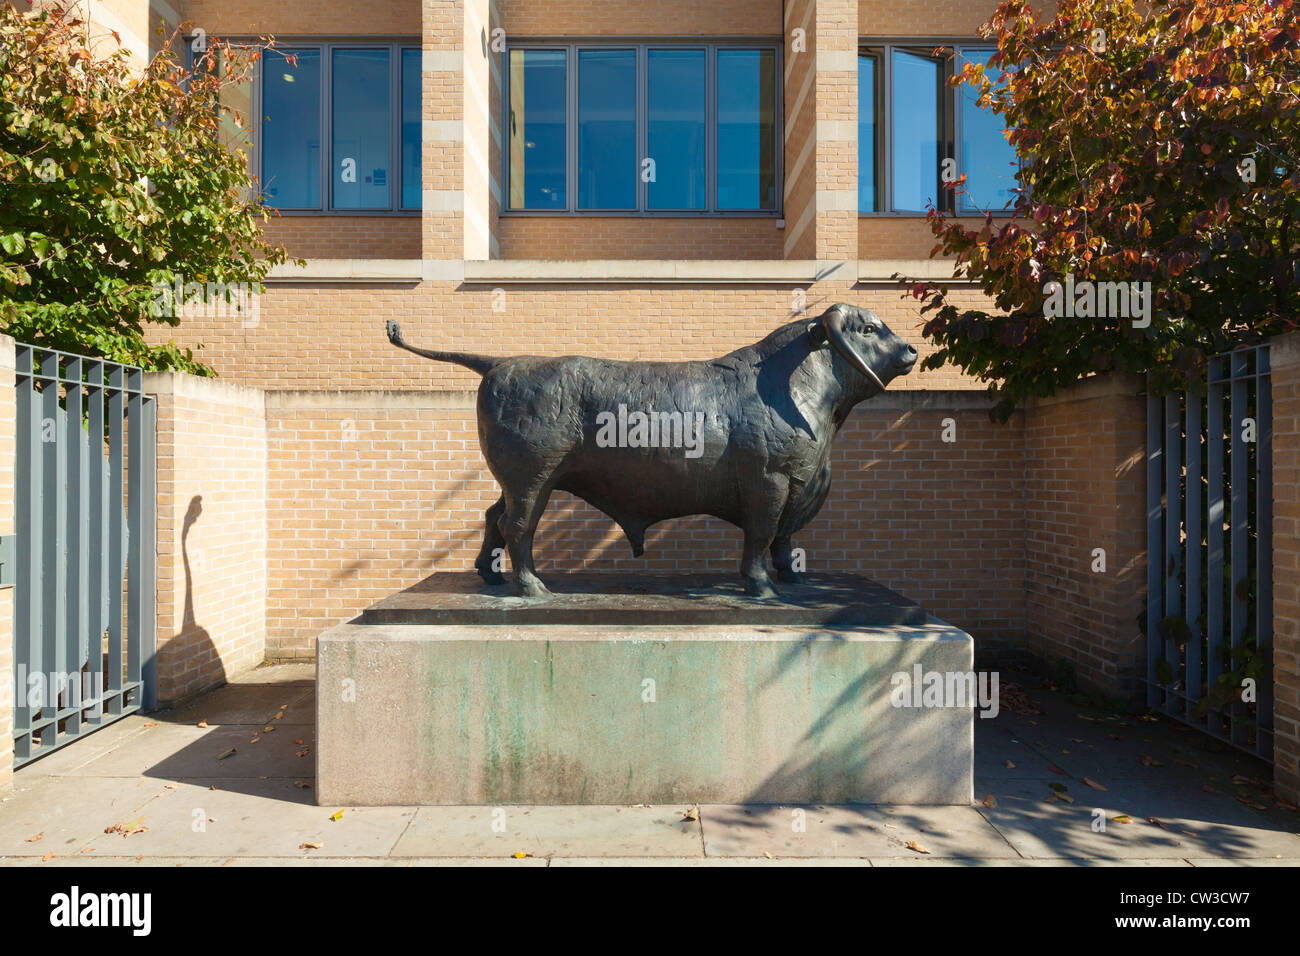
69	813
551	831
173	751
1194	822
994	746
71	756
561	861
848	831
90	860
1220	861
245	704
269	818
1019	862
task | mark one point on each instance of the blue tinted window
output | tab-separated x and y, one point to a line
411	126
537	133
607	161
915	105
361	123
675	130
866	134
988	160
746	129
291	89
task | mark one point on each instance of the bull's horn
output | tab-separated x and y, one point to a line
833	322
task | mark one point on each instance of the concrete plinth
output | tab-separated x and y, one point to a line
610	714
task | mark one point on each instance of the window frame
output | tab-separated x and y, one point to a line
642	45
395	45
881	49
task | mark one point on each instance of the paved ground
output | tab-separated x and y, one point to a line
163	790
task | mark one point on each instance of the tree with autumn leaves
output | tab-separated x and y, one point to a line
1158	143
115	184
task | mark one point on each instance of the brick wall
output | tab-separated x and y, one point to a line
8	417
1285	359
546	18
293	18
211	532
370	492
346	237
573	237
1085	489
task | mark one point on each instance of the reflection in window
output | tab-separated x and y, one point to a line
291	90
607	161
866	133
360	127
988	160
915	167
537	131
746	129
676	130
411	126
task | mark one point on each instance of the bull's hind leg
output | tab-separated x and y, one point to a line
783	558
518	524
494	543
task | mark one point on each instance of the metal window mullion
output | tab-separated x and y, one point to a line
711	128
641	118
327	128
571	126
395	126
886	203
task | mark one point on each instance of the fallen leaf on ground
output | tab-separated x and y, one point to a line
268	729
991	802
87	849
1058	787
1252	804
228	753
521	855
1094	784
304	752
336	817
34	839
170	786
1009	765
692	814
1066	797
1160	823
890	826
46	857
310	846
638	806
214	787
1195	836
1122	818
255	740
202	723
1050	798
768	855
913	845
1056	769
302	784
298	741
153	723
279	715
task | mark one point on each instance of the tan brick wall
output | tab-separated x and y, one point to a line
8	417
928	18
545	18
555	237
332	337
1085	489
369	493
346	237
211	532
900	237
290	17
1285	359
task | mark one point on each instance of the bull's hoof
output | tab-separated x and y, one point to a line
531	587
789	577
761	589
489	576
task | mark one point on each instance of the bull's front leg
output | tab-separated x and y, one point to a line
763	512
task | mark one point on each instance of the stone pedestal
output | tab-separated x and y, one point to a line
727	709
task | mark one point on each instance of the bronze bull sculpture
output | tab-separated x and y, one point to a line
745	437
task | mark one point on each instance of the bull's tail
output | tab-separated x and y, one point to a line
479	363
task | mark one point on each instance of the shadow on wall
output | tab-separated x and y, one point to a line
189	657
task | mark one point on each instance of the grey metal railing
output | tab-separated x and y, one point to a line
84	555
1209	618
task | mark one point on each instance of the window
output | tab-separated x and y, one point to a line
911	122
643	128
338	127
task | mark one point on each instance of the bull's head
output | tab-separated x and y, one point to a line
861	341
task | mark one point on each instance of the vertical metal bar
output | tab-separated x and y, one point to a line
1173	530
74	509
148	550
113	578
1192	560
1155	546
1264	553
1238	525
54	554
27	504
1214	515
134	507
95	537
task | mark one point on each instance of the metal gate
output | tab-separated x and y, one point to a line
83	552
1209	620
